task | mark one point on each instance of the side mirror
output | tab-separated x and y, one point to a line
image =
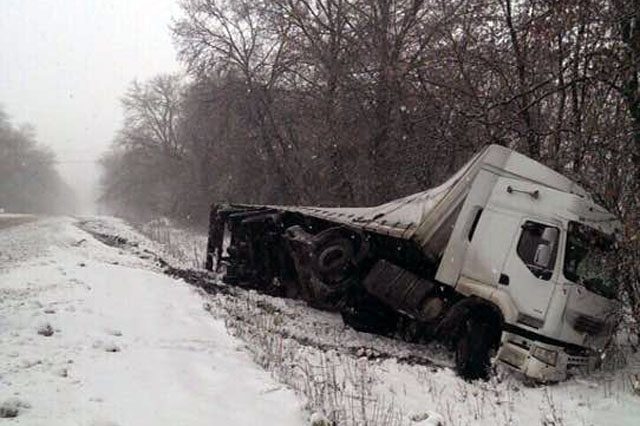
543	255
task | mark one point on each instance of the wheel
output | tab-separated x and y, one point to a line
332	256
335	254
473	350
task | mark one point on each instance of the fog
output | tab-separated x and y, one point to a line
64	66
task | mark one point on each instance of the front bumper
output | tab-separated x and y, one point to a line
524	355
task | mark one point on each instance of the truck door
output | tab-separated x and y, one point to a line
527	274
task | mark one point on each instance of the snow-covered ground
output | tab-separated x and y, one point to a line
133	346
358	378
96	335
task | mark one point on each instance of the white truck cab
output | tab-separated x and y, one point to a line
539	248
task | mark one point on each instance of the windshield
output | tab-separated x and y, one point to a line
590	260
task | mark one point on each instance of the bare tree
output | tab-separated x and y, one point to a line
322	101
29	182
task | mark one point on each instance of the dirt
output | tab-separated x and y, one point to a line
12	407
45	330
203	279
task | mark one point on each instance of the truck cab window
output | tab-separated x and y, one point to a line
538	248
591	260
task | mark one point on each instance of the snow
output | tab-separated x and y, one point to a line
130	345
358	378
123	343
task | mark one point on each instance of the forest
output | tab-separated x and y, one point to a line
30	181
356	102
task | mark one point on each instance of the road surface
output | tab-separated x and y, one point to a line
9	220
90	336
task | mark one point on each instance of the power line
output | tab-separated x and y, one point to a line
95	160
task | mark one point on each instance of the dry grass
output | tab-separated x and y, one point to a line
338	385
187	248
349	390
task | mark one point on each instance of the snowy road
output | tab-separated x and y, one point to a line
9	220
90	336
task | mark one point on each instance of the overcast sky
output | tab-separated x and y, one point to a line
64	64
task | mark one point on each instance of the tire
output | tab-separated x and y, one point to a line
473	350
332	257
335	254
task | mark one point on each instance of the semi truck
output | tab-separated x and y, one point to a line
507	261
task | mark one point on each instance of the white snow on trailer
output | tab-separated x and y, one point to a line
420	216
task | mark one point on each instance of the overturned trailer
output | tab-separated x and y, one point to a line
507	257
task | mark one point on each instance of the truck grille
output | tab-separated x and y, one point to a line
577	352
577	361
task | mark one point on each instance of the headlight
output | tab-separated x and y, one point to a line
548	356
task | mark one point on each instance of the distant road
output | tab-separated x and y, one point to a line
9	220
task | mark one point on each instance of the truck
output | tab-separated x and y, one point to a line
507	261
